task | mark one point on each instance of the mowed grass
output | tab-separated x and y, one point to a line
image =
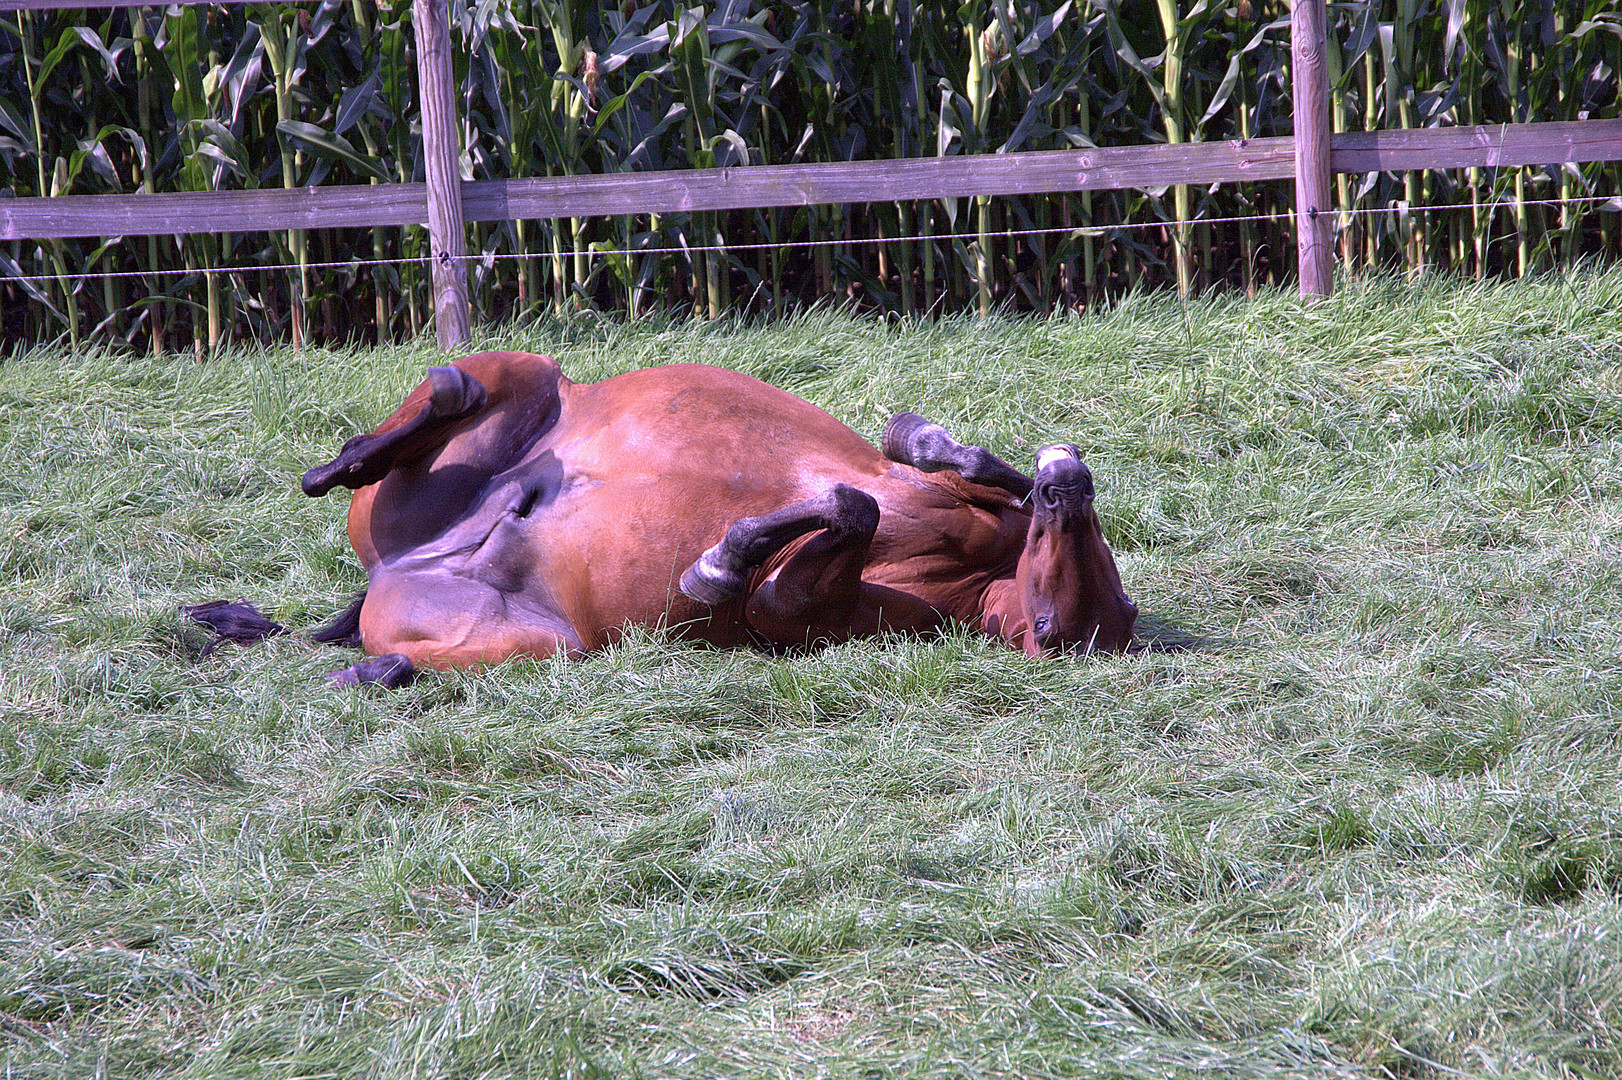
1369	824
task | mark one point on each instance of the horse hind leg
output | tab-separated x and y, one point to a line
415	429
928	447
410	620
818	595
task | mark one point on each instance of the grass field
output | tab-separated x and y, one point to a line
1371	825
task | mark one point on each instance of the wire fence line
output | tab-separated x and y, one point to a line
1612	203
298	104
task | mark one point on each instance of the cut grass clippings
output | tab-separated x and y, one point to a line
1364	820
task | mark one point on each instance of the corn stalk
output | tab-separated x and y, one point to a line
267	94
281	53
1171	104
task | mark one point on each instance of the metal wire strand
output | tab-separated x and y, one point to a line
1075	231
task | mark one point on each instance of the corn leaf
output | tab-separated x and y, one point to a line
332	147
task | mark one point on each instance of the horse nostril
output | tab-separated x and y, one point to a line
1065	481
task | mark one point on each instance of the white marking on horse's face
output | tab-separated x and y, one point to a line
1049	454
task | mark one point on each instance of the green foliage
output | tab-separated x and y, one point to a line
1356	812
243	96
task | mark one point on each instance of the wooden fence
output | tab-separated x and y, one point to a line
444	203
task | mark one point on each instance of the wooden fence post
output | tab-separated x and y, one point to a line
1310	86
447	234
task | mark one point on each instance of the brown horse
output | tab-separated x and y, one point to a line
505	511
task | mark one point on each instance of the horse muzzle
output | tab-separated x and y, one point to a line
1063	482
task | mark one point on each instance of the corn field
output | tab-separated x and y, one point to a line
283	95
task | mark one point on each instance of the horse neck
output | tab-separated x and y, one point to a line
1002	615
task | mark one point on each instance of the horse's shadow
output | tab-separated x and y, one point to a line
1154	635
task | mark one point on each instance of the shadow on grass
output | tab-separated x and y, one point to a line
1154	635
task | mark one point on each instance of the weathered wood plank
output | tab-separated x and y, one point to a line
180	212
1315	260
754	187
1156	165
1549	143
652	192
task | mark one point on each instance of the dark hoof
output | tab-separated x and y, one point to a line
455	393
709	581
928	447
318	481
321	479
392	671
897	442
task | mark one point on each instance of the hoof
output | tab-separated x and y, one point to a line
392	670
709	581
898	441
454	393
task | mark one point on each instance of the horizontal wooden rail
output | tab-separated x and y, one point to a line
180	212
1414	149
1151	166
897	180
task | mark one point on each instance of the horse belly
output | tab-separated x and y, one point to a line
614	554
661	463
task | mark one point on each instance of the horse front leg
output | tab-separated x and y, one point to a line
928	447
818	595
417	427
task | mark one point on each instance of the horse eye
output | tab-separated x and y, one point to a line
1042	624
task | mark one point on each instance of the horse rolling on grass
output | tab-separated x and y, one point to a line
505	511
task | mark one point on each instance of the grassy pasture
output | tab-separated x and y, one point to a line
1371	827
